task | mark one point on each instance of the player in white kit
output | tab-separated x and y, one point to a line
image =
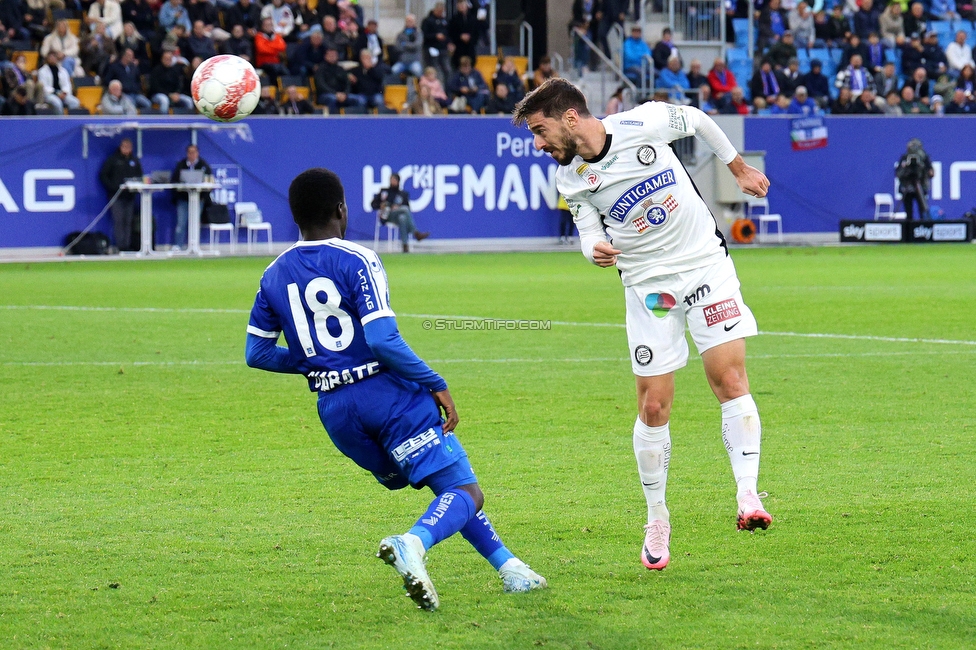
637	209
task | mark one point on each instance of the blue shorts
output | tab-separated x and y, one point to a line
391	427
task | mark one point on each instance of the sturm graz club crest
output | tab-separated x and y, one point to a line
643	355
646	155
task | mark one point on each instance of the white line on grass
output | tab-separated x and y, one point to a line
189	310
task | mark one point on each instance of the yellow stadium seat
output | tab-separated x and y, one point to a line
395	97
521	64
30	55
90	97
74	26
486	64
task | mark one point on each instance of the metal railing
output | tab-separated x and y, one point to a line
699	21
525	40
608	67
558	63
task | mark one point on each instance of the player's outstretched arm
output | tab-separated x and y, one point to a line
266	354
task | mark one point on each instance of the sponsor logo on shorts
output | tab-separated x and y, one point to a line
412	447
631	123
643	355
640	192
646	155
699	293
660	304
721	311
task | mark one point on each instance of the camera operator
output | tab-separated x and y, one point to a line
913	173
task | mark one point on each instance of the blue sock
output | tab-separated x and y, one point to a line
446	515
482	536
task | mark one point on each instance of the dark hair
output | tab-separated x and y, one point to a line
314	197
554	97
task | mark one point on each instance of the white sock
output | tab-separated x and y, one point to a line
741	431
652	446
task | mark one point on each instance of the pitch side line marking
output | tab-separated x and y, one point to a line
190	310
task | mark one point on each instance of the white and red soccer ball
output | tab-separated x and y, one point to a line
225	88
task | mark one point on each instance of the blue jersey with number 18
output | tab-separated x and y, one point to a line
319	295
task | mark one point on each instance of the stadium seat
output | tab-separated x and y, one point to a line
884	207
81	110
486	65
30	55
757	209
90	97
392	233
292	80
87	80
74	26
395	97
741	27
353	110
249	218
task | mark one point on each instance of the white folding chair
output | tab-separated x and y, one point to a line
392	231
250	218
884	207
764	218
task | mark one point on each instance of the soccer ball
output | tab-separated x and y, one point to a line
225	88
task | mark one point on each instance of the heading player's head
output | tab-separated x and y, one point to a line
318	204
554	112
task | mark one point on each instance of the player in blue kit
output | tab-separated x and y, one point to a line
379	402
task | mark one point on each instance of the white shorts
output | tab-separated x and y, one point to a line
707	299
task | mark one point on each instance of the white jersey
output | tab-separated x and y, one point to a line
639	196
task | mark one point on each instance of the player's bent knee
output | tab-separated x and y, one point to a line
654	412
474	491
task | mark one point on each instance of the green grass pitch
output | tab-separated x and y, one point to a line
157	493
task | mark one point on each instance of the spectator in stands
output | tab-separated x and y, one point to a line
239	43
817	84
844	104
463	29
791	77
171	13
333	37
759	106
57	84
921	88
854	46
141	15
663	50
168	84
206	12
886	81
917	21
766	82
911	55
508	75
958	55
736	104
892	103
866	19
938	105
108	13
891	25
634	51
115	102
393	205
97	49
134	41
333	85
351	30
245	13
424	104
18	76
267	104
695	76
543	71
674	79
294	104
967	81
467	84
116	170
721	81
281	16
305	18
772	23
875	59
410	43
616	102
193	161
12	19
433	82
704	100
910	105
328	8
18	105
202	47
309	54
802	104
781	106
866	103
838	26
65	44
960	104
126	70
369	39
501	101
367	80
934	56
269	50
854	77
780	52
36	17
437	42
802	25
944	9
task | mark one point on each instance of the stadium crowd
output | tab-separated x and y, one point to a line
314	56
834	56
